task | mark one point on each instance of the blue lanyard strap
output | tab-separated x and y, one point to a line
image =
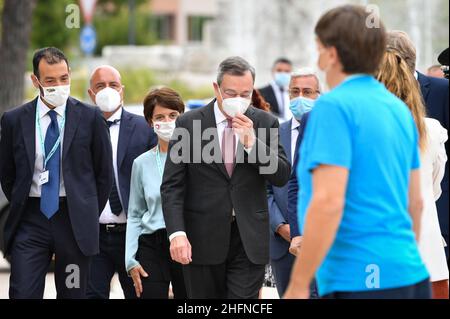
41	138
158	162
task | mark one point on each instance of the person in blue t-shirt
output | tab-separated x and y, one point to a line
360	204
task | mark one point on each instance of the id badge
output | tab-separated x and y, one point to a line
43	178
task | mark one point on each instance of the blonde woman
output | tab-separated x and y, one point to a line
397	77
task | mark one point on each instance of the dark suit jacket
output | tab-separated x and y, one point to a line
269	95
293	184
135	138
86	168
436	95
198	198
278	201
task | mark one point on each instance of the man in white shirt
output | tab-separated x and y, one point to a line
55	170
304	84
276	93
130	136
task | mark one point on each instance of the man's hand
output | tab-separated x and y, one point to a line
136	274
243	127
181	250
296	243
285	232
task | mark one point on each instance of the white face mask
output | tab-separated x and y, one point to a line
235	105
164	130
108	99
56	95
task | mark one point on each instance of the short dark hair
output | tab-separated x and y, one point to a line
360	47
164	97
51	55
235	66
282	60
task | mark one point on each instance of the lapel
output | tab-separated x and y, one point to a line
73	115
28	123
424	85
285	137
209	120
125	132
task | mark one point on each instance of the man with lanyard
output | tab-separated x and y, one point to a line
55	170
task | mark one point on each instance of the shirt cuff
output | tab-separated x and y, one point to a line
176	234
278	227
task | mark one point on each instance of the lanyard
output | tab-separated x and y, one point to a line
158	162
41	138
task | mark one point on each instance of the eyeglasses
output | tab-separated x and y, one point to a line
304	92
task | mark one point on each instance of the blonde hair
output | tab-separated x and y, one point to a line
395	74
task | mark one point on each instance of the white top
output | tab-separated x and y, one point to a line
433	159
107	217
294	135
285	113
45	121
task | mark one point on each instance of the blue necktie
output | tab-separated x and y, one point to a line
50	190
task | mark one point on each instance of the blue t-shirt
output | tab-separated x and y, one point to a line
361	126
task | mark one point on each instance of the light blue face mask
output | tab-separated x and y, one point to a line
282	79
300	106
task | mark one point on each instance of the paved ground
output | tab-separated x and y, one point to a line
116	291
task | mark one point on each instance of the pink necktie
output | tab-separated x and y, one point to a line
228	147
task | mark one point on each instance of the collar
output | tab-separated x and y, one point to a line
220	118
355	76
44	109
295	124
416	75
277	87
117	115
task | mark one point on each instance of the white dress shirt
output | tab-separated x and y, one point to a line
294	135
285	113
45	121
107	216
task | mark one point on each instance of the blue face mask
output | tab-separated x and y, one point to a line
282	79
301	105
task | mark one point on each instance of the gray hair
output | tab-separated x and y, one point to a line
234	66
306	72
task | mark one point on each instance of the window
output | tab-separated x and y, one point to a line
196	26
164	27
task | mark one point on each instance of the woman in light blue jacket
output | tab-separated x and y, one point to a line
147	255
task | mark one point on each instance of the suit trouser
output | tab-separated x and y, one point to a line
154	256
36	240
282	271
237	278
110	260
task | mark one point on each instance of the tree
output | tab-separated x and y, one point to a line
15	39
49	28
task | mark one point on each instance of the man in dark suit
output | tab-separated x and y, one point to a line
276	92
304	83
56	171
215	197
130	136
